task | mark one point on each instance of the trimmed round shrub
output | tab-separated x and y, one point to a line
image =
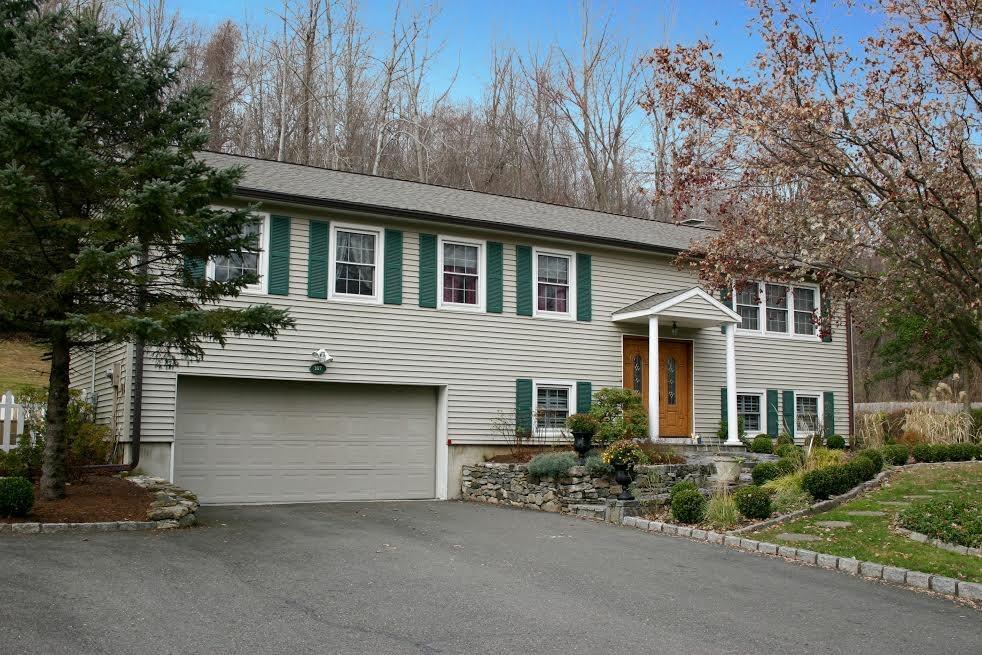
765	472
753	502
16	497
789	450
895	454
873	456
822	483
960	452
684	485
785	439
688	506
551	465
836	442
762	444
859	470
925	452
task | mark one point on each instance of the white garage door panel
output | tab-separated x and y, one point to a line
244	441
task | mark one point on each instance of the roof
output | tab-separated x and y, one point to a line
672	304
652	301
295	183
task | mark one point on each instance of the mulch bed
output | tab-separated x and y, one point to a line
523	456
95	499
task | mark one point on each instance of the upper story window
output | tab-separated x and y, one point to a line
354	263
554	287
777	309
226	269
461	266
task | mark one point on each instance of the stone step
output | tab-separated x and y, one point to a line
589	511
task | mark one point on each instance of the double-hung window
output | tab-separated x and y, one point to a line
748	306
245	262
461	266
807	413
749	409
777	309
804	310
354	265
552	401
554	290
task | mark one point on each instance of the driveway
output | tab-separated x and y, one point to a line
432	577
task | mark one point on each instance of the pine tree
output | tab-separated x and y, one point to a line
105	213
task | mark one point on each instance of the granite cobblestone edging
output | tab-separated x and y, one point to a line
172	507
970	591
937	543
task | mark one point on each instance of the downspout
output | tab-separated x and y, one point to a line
137	417
849	373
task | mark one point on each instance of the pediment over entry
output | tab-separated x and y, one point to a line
690	307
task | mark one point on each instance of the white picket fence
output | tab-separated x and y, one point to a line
12	420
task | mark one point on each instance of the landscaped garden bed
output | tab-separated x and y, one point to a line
93	499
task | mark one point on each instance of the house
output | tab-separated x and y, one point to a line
438	310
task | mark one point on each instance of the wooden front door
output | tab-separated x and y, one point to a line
674	383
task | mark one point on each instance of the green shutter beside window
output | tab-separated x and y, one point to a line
828	411
523	283
523	405
392	268
317	259
495	272
584	290
584	396
772	424
279	255
787	408
427	270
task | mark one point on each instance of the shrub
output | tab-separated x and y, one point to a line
625	451
836	442
790	499
925	452
753	502
790	482
822	457
678	487
895	454
598	468
789	451
952	520
723	432
765	472
785	439
960	452
762	444
660	454
582	423
551	465
16	496
721	511
620	414
859	470
822	483
976	414
872	455
688	506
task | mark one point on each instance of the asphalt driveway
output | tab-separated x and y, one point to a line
441	578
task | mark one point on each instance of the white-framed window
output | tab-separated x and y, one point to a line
807	413
750	407
777	309
462	278
225	269
354	263
554	273
553	400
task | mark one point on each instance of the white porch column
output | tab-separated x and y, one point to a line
732	424
653	375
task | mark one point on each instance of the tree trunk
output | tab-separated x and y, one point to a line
54	471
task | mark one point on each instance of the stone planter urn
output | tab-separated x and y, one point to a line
582	443
727	467
623	474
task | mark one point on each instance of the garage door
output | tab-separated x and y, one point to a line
247	441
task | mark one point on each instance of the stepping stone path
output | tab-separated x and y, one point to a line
895	503
833	524
794	536
917	496
937	491
866	513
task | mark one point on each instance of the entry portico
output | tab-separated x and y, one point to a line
687	308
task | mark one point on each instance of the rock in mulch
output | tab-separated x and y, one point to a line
796	536
864	512
833	524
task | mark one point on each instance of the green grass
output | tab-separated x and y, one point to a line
871	539
21	364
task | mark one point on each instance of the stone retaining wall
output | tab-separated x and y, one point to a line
511	485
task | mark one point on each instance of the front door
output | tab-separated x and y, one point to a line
674	383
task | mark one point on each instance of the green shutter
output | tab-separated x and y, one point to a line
392	268
523	404
317	259
427	270
584	290
194	267
722	404
828	411
523	283
787	408
279	255
495	272
584	396
772	424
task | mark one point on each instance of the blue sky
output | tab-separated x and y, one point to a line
470	27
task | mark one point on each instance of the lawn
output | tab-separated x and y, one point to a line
20	364
870	538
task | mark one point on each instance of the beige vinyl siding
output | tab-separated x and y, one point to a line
696	308
101	392
479	355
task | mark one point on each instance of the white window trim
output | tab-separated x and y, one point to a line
379	234
762	330
762	395
262	286
481	275
571	304
570	387
821	411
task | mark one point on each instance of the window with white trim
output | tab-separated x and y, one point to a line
554	287
552	402
461	265
776	302
749	409
778	309
354	266
804	310
227	269
748	306
807	413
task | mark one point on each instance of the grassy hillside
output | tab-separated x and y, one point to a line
21	363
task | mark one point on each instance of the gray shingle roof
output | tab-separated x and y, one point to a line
652	301
325	187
